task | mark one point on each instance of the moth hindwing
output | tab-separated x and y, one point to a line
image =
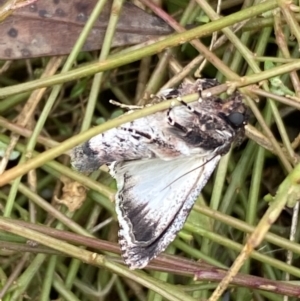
161	163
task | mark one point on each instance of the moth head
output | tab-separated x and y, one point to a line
234	111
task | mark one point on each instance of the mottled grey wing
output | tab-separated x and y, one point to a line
153	201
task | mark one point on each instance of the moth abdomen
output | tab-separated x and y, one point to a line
84	159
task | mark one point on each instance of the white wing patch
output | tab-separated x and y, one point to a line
153	201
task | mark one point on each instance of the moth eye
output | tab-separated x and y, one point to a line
236	118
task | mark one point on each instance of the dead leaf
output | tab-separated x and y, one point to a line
48	28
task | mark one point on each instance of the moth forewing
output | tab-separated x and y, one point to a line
161	163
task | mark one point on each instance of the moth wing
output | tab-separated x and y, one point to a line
153	201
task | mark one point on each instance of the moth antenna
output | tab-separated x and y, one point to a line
123	106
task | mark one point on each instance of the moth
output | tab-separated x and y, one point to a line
161	163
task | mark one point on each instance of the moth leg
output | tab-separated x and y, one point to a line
190	108
172	122
179	99
158	98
